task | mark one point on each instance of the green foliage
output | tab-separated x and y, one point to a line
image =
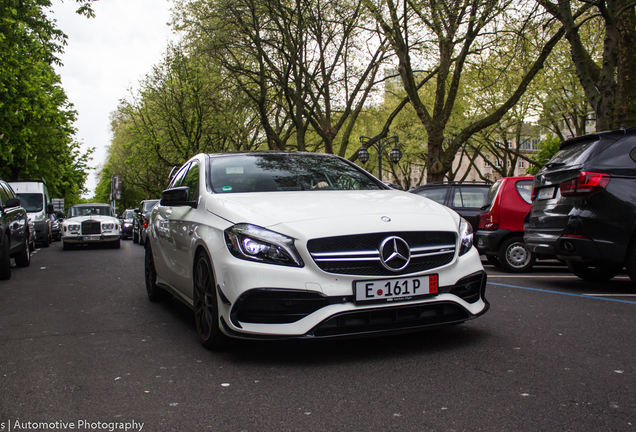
36	118
547	149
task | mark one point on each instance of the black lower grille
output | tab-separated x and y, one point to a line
269	306
393	319
91	227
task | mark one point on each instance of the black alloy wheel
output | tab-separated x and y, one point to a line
23	258
597	272
155	293
206	311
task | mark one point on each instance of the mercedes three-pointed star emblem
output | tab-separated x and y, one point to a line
395	253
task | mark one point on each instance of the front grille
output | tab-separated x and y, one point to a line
359	254
91	227
391	319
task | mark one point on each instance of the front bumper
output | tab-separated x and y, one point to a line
77	239
285	305
442	309
126	229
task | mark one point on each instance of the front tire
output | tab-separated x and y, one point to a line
493	260
47	239
155	293
23	258
514	256
598	272
206	311
5	260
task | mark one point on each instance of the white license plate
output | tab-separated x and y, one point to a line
390	290
89	238
546	193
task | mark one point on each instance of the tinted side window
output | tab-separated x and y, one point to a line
4	195
178	177
524	187
191	180
436	194
470	197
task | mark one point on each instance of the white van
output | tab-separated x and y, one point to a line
34	197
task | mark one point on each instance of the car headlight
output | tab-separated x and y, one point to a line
39	217
108	227
72	227
253	243
466	235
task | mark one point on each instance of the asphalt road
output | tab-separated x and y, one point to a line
81	348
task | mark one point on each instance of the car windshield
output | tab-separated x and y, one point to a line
286	172
129	214
102	210
148	205
31	202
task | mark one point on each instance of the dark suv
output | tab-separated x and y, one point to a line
465	197
14	232
584	205
140	221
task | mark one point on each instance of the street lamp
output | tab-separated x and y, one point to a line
394	155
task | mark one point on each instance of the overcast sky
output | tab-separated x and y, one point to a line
105	57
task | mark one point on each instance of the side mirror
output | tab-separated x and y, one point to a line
50	209
177	197
12	202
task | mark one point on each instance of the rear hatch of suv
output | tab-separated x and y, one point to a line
576	197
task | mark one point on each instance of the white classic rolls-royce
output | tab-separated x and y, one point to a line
304	245
90	223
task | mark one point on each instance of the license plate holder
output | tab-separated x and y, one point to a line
546	193
91	238
395	289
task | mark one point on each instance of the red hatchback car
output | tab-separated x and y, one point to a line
500	232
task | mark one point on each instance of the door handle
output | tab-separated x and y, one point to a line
168	213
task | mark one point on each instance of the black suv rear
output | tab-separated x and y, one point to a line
584	205
465	197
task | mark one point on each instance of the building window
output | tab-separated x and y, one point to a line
522	164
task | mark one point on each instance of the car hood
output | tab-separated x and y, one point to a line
318	213
80	219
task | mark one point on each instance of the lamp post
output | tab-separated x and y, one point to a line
394	155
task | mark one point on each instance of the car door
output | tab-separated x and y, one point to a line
165	264
182	232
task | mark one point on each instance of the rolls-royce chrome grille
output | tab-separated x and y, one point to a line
91	227
380	254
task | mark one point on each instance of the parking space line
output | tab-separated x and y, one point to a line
595	297
544	276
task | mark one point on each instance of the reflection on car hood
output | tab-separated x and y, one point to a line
80	219
335	212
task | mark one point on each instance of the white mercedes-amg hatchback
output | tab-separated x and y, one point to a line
306	245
